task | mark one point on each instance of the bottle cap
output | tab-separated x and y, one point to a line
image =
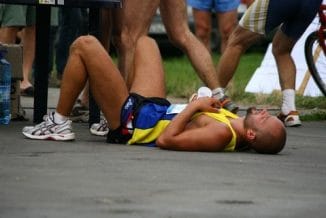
204	92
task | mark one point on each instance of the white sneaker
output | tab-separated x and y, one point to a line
49	130
292	119
79	113
100	129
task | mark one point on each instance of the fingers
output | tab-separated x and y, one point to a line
208	104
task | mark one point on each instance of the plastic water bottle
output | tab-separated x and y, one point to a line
204	92
5	84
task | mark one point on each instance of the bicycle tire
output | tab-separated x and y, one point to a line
316	65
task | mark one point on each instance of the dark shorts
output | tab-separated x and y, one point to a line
294	16
17	15
129	115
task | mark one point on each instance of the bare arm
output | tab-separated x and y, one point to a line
209	137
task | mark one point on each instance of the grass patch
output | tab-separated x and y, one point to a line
314	115
182	81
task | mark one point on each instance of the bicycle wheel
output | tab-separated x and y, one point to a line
316	61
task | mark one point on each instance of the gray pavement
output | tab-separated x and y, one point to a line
90	178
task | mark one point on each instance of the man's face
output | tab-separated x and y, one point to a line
258	119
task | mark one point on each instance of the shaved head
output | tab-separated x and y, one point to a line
270	133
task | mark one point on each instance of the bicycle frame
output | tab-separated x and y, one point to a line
322	28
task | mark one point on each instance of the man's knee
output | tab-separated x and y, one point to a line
282	44
280	49
83	42
179	38
145	40
124	40
203	32
226	30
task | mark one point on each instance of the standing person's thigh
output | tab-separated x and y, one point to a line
149	75
174	15
203	26
129	23
134	16
203	21
227	14
227	21
106	27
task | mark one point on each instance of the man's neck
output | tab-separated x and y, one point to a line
238	126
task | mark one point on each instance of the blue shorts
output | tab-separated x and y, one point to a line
215	5
138	112
294	16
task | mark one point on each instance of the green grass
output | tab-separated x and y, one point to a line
182	81
314	115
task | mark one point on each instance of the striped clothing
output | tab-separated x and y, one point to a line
294	16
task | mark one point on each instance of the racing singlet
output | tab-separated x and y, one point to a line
148	129
223	117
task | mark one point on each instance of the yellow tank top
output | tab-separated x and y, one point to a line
146	135
222	117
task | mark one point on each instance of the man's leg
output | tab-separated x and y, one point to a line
174	16
238	43
8	34
149	74
106	27
89	60
12	17
130	23
226	22
282	47
28	41
203	26
68	31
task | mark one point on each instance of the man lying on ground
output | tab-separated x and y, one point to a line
141	116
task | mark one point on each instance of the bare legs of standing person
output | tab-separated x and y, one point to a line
130	23
8	35
133	21
174	16
226	22
28	41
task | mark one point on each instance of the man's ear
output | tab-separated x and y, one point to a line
250	134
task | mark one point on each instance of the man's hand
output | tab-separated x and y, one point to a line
203	135
205	104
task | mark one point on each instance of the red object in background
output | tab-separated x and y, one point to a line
247	2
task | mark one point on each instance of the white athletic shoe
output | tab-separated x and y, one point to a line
292	119
49	130
100	129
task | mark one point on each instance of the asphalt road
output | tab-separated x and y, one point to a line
90	178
